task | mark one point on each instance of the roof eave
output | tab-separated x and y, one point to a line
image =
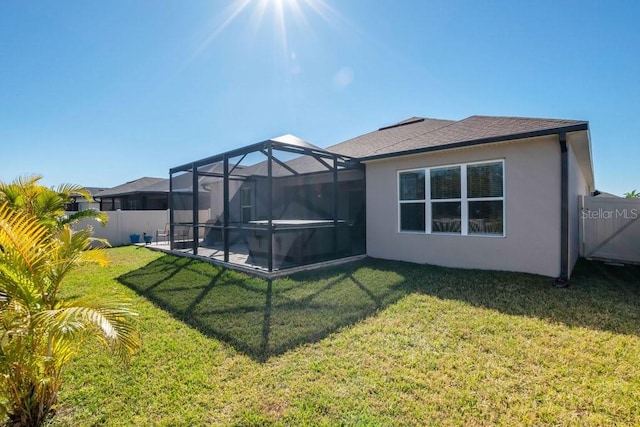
130	193
469	143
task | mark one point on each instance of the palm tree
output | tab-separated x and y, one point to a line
47	204
39	331
633	194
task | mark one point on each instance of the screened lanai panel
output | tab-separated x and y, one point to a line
303	197
273	205
247	187
210	206
352	208
181	202
311	219
304	190
182	197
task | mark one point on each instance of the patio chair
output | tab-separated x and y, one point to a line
164	234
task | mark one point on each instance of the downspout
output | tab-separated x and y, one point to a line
171	216
335	207
196	208
225	206
563	280
270	205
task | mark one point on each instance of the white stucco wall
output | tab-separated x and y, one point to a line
532	215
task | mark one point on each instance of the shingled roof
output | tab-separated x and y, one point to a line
421	134
138	185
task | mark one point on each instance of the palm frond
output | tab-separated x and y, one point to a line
79	246
22	192
72	249
25	244
28	180
49	206
114	322
20	287
10	194
101	217
67	190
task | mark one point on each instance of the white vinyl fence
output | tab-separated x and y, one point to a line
610	229
124	223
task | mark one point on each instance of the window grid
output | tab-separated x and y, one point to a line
463	200
427	189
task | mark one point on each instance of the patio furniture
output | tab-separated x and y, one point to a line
163	234
446	225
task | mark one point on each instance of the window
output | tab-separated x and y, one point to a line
485	197
246	204
412	200
446	202
459	199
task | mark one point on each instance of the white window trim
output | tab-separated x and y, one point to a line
464	200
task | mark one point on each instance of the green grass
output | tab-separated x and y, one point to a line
370	343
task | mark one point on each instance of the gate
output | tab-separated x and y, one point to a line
610	228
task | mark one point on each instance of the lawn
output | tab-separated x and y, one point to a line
369	343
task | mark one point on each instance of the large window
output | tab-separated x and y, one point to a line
459	199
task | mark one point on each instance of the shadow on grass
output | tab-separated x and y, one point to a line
600	296
266	318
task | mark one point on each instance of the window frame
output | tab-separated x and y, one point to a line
427	190
250	189
464	200
461	199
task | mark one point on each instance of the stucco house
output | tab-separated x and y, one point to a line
79	203
498	193
512	185
144	193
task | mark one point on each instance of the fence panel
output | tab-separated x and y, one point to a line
121	224
610	228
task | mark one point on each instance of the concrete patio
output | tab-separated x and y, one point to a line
240	259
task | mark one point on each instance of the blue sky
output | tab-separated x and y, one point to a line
100	93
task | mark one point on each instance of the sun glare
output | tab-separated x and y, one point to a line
283	12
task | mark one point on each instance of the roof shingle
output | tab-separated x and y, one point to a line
131	187
415	134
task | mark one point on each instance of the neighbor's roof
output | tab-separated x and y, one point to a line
136	186
418	134
94	190
605	194
91	190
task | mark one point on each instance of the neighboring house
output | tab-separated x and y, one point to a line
79	203
141	194
497	193
137	207
604	194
